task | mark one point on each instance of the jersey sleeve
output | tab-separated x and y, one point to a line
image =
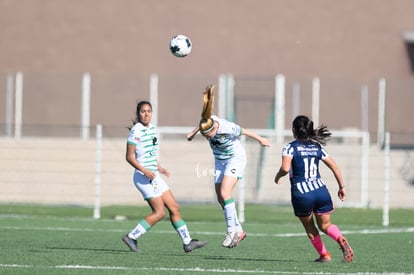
133	136
324	153
287	150
228	127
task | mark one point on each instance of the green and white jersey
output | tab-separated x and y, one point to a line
146	141
226	142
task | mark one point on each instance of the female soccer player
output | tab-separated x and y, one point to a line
310	197
141	153
230	162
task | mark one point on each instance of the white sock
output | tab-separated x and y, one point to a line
141	228
184	234
182	231
230	215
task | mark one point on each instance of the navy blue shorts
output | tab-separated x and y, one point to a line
318	201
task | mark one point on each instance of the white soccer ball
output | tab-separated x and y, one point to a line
180	45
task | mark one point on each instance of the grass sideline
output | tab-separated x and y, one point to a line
39	239
257	213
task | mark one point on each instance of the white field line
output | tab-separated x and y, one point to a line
266	235
189	270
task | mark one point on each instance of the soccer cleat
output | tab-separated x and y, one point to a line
324	258
233	239
227	239
194	244
131	243
346	249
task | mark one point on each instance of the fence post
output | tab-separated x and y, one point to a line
364	169
97	206
315	100
295	100
9	104
18	115
382	111
154	97
386	205
86	97
279	107
222	95
364	108
242	187
226	106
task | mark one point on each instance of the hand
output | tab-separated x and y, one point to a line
277	179
280	174
264	142
149	174
164	171
342	194
192	134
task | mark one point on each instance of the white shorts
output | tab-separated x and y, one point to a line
150	188
231	167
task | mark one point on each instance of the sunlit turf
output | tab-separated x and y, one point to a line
67	240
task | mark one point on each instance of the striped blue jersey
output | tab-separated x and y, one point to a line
304	173
146	141
226	144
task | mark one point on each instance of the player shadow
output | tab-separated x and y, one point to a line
198	255
87	249
230	258
227	258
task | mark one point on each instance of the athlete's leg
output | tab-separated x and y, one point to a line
157	214
175	216
227	186
172	205
235	232
158	211
229	205
325	225
227	174
323	221
220	200
150	192
178	223
314	237
309	225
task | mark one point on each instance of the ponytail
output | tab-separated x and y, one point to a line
206	124
303	130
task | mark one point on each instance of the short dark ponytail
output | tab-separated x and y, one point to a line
303	129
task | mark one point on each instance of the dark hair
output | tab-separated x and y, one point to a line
138	109
303	129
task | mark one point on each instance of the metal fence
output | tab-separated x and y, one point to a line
53	161
54	104
64	171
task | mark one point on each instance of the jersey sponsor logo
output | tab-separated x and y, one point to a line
301	148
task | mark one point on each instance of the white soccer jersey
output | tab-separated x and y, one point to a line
146	141
226	142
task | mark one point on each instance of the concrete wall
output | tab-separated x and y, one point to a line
62	171
346	44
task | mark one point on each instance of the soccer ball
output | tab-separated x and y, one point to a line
180	45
